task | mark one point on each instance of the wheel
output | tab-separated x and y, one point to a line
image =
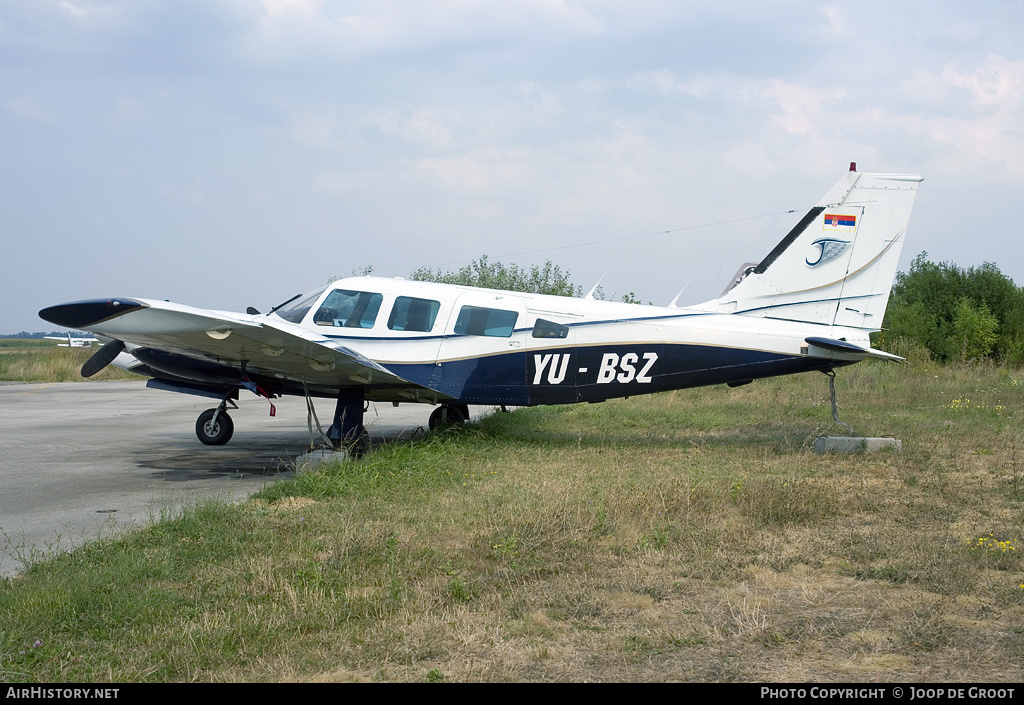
448	414
214	433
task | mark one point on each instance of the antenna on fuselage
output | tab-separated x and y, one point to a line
675	301
590	294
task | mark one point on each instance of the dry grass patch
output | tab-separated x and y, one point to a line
33	360
687	536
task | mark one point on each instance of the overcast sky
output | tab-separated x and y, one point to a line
226	153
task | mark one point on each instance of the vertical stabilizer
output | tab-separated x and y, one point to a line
837	265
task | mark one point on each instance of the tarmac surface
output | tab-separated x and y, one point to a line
81	460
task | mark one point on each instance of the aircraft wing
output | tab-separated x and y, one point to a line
271	347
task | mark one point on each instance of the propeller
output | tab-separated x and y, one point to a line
102	357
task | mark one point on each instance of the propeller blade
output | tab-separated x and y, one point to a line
102	357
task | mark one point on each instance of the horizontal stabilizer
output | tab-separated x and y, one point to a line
841	346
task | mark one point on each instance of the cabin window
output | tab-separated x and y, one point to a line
411	314
495	322
348	309
549	329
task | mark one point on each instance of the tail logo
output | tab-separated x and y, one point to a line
823	249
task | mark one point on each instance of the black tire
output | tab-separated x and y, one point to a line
448	414
214	433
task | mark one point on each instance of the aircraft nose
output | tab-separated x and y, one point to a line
82	314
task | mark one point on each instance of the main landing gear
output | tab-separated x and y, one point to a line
448	414
214	427
347	430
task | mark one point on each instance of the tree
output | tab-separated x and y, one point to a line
958	314
538	279
974	329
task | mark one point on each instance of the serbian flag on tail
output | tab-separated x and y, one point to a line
836	223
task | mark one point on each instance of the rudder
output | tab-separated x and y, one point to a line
837	265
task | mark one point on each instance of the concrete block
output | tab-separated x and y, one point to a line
309	461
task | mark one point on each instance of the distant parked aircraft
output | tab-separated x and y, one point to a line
72	342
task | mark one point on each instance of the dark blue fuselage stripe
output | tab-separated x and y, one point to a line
573	374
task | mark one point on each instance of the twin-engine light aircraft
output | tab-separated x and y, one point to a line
810	304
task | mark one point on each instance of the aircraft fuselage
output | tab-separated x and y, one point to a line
809	304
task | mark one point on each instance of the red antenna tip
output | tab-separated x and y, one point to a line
853	166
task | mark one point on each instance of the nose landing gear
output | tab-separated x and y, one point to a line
214	427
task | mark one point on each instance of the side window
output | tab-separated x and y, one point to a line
549	329
411	314
348	309
496	322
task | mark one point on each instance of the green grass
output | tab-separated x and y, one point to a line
33	360
684	536
14	343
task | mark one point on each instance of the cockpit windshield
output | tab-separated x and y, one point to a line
296	311
348	309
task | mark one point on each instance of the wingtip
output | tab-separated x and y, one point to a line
83	314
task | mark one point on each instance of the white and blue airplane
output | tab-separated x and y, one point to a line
809	305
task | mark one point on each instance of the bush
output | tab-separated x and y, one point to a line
957	314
